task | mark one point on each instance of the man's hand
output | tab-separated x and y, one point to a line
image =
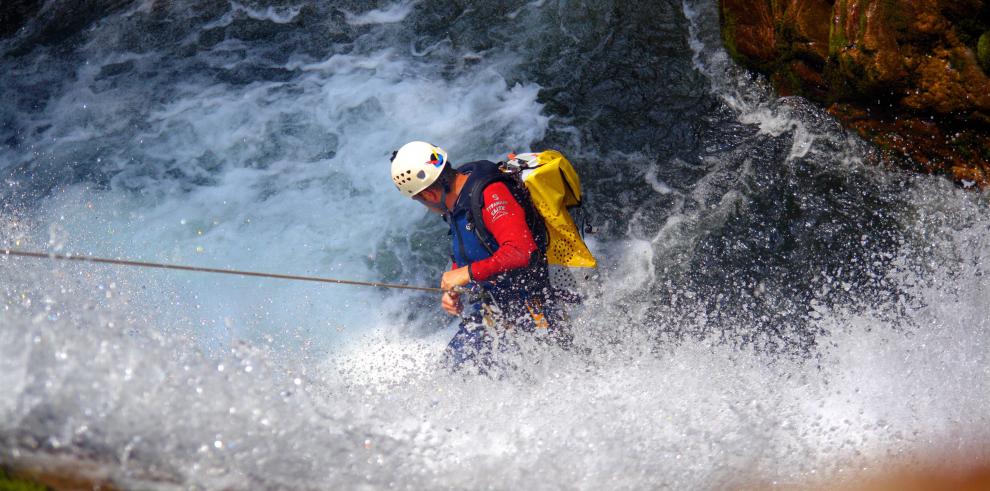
454	278
451	302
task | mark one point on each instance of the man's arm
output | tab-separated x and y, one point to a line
456	276
504	217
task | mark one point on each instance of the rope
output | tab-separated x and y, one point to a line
142	264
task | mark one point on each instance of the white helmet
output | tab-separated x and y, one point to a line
417	165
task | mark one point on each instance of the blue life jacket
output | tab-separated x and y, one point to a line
471	241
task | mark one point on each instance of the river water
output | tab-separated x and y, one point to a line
776	303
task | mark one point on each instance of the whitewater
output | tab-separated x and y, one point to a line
777	306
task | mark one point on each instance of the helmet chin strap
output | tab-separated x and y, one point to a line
443	199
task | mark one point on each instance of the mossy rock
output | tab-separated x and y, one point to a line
983	51
11	482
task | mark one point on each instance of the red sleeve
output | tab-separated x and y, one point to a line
506	220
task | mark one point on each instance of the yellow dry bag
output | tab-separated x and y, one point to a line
554	187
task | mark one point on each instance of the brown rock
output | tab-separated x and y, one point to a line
906	74
948	82
750	26
864	49
803	27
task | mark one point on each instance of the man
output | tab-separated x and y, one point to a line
498	244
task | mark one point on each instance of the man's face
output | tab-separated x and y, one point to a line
430	197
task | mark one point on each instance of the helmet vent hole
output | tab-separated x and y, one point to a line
421	175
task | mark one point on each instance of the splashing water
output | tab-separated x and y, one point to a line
771	309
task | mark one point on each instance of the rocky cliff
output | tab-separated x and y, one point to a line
909	75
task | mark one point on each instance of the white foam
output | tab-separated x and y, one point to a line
396	12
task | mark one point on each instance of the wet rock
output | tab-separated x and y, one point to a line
909	75
14	13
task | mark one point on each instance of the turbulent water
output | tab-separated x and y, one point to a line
776	304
